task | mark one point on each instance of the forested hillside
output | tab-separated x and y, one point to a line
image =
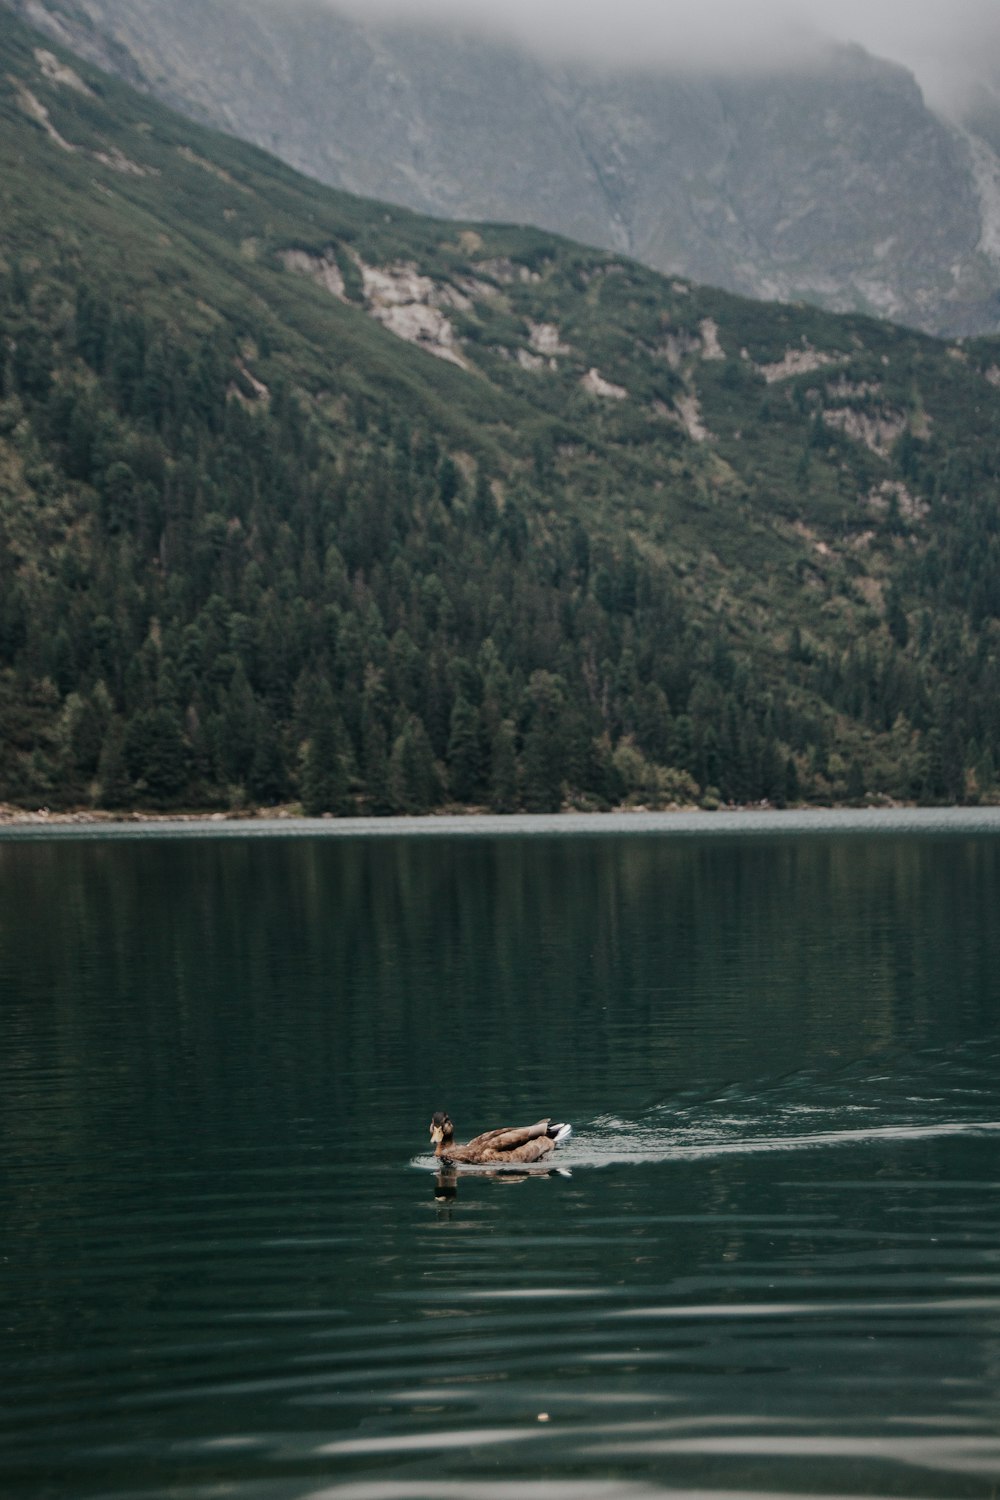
307	499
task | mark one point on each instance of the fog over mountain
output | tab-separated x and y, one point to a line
944	43
761	148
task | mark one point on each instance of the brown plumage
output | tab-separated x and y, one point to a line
523	1143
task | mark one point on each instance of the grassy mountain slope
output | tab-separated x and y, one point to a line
829	179
303	497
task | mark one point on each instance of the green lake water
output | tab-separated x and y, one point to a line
769	1263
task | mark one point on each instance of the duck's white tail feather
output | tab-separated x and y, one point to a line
559	1133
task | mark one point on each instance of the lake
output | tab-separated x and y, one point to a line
769	1262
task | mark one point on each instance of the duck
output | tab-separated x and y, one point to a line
522	1143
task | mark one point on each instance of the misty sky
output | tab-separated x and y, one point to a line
945	42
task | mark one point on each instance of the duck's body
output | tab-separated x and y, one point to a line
523	1143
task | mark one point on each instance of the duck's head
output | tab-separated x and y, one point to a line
442	1131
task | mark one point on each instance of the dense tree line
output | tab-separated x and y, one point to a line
213	596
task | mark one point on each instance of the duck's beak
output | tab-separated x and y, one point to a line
437	1134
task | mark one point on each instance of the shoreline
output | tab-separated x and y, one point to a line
17	823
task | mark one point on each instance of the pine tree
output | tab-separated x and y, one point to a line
324	774
414	784
267	779
239	728
504	792
374	743
112	776
155	755
465	760
544	744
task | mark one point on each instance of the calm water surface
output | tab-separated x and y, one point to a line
770	1265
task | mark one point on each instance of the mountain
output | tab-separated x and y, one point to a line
830	181
304	497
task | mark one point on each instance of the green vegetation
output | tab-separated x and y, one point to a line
629	540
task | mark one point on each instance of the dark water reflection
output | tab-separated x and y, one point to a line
772	1268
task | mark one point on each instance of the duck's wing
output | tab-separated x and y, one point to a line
531	1150
508	1139
522	1143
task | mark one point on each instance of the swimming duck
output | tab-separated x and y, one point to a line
522	1143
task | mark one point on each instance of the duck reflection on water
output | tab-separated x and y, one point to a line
446	1178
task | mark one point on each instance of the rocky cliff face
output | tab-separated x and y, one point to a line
833	184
